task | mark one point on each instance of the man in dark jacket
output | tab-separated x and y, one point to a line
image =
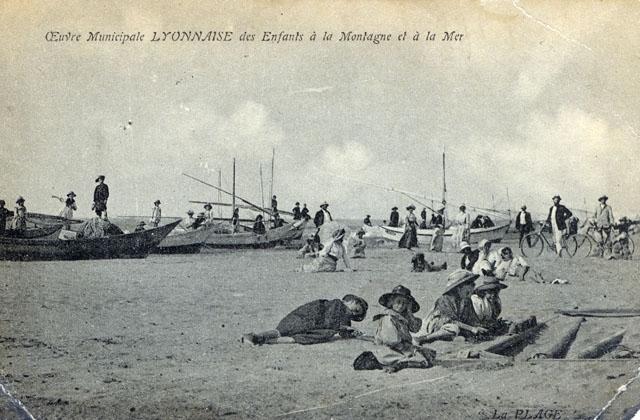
524	225
305	212
322	215
394	218
315	322
557	218
100	197
297	213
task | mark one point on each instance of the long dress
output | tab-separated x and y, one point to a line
462	230
327	260
19	218
410	237
69	207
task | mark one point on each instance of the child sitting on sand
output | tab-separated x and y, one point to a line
394	328
505	264
488	306
419	264
315	322
453	313
358	245
310	248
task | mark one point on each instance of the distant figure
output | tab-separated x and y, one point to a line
305	212
322	216
359	245
604	221
423	218
190	220
297	213
69	206
437	239
487	222
470	256
140	227
100	197
208	213
259	227
410	237
235	219
274	204
419	264
19	222
477	222
277	221
462	226
333	251
367	220
199	221
4	213
557	219
524	225
394	217
156	214
620	249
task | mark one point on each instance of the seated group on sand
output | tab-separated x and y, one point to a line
500	263
464	309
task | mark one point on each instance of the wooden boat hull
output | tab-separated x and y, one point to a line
270	239
185	242
492	234
48	232
130	245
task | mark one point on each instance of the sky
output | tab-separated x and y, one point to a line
537	99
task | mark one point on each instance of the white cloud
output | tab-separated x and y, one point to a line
346	158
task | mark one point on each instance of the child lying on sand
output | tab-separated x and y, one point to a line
315	322
419	264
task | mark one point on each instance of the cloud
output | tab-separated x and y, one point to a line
346	158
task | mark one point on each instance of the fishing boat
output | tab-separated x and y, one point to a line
271	238
493	234
33	232
128	245
185	242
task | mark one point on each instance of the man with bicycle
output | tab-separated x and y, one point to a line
557	219
604	223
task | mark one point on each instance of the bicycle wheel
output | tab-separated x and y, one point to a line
632	246
579	246
532	245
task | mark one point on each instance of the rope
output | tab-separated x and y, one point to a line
619	392
17	404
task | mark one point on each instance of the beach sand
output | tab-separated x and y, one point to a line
159	338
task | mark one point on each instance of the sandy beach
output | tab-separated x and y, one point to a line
159	338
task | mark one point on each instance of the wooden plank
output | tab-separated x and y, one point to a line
602	347
559	348
601	312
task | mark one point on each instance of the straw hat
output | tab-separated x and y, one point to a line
71	194
464	245
411	207
490	283
399	291
324	204
458	278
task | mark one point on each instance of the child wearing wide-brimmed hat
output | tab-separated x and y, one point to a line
487	304
394	328
452	314
315	322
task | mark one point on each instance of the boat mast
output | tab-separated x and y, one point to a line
219	193
273	158
233	190
444	188
262	190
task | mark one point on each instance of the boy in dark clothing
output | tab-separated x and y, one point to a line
315	322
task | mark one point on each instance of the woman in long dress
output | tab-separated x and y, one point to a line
410	238
327	261
19	222
462	228
69	206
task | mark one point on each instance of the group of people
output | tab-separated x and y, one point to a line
500	263
464	309
19	220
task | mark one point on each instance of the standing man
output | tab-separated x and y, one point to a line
524	225
394	217
557	218
423	216
156	214
322	215
604	221
297	214
274	204
100	197
4	213
305	212
235	219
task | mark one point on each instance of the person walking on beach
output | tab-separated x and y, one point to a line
315	322
557	219
19	223
394	217
297	213
156	214
100	197
4	213
322	216
524	225
410	238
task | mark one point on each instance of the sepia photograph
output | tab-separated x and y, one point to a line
320	209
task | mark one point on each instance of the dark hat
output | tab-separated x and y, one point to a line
363	304
71	194
297	203
399	291
208	206
462	206
361	232
20	199
556	196
100	177
324	203
603	198
3	203
201	214
411	207
458	278
394	208
157	202
259	217
441	209
490	283
523	207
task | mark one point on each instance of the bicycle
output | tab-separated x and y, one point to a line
589	245
533	244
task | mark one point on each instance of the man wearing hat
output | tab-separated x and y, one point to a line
452	314
394	217
208	213
322	216
315	322
140	226
367	220
557	219
524	224
156	214
305	212
4	213
604	221
19	222
297	213
100	197
393	330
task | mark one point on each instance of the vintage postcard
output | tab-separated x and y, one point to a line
333	209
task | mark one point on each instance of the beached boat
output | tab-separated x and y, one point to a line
34	232
493	234
128	245
271	238
185	242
